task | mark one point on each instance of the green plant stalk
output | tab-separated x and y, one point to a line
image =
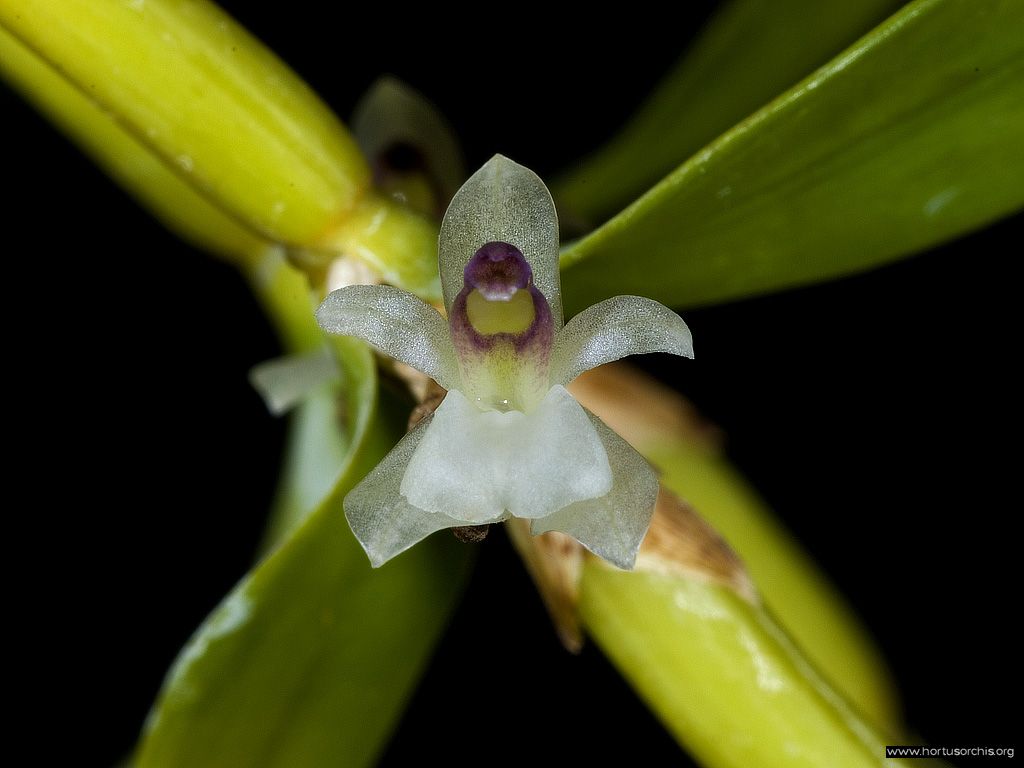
724	679
309	661
397	242
169	197
208	99
792	586
211	132
688	455
287	297
750	52
912	136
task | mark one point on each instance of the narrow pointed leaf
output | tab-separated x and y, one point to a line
750	52
911	137
310	658
285	295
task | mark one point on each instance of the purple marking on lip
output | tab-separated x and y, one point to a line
497	270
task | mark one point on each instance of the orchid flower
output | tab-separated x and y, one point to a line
508	440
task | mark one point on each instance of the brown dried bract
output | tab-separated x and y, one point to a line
471	534
680	542
431	397
642	410
555	561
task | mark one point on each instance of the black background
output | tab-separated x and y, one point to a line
877	415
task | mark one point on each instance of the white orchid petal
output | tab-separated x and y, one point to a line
383	520
613	525
397	323
616	328
504	202
286	381
476	466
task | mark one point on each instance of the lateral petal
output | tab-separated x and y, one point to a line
395	322
613	329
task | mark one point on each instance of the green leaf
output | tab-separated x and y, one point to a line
749	53
724	679
323	440
309	660
324	428
911	137
311	657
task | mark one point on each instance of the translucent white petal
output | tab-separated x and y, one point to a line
613	525
392	113
385	523
285	381
476	466
505	202
615	328
395	322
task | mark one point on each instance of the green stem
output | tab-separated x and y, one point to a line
211	132
210	101
793	586
721	675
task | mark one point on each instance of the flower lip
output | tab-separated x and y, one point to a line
497	270
499	303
